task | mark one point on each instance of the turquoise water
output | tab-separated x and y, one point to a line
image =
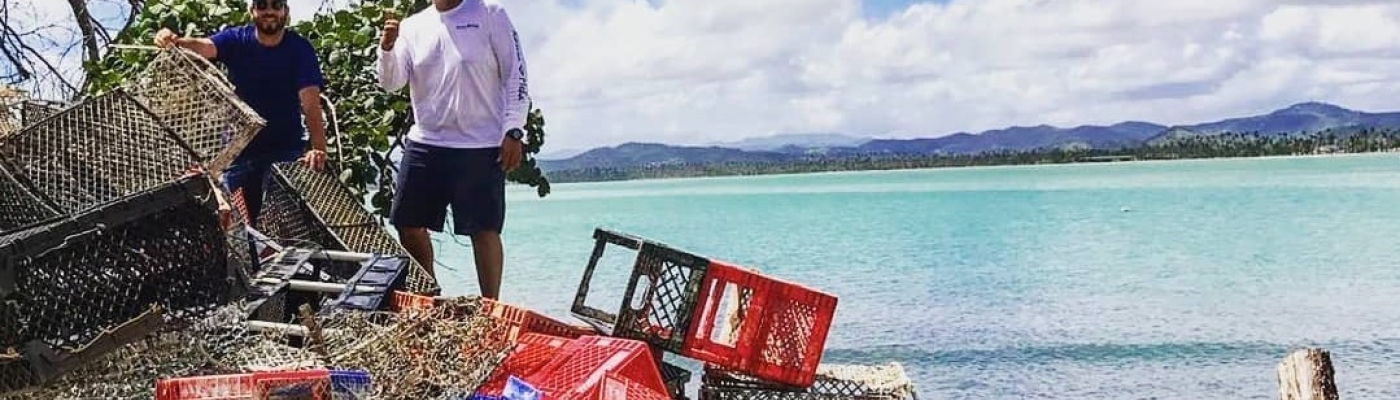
1187	279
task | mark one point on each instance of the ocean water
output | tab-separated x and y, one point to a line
1168	280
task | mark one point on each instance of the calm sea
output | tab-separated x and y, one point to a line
1187	279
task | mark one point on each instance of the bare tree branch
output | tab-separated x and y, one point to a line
84	20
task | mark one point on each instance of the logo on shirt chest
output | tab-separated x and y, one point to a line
468	26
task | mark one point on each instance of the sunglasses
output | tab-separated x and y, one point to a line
261	5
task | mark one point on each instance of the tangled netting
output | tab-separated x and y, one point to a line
441	353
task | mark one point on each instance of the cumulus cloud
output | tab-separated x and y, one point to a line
704	71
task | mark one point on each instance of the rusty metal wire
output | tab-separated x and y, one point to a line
199	104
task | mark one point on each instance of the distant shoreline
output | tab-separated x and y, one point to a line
876	164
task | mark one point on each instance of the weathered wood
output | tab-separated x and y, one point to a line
1306	374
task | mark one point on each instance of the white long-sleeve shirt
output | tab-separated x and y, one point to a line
465	72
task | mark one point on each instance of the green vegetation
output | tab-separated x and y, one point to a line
370	119
1186	147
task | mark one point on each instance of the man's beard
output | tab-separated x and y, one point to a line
271	27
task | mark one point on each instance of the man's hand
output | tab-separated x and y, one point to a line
511	151
316	159
391	30
166	38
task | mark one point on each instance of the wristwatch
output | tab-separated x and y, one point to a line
515	133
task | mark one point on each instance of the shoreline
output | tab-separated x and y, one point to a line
958	167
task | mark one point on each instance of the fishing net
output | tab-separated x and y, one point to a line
198	103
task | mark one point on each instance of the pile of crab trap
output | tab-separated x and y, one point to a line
128	271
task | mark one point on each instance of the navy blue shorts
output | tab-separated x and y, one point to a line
431	178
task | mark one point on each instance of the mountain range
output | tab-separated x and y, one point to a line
1298	118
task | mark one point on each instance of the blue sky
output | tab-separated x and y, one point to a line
703	71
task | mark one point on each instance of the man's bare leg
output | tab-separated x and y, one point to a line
419	244
486	246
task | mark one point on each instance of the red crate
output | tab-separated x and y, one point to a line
524	321
532	352
781	326
521	320
578	372
214	387
618	387
300	385
401	301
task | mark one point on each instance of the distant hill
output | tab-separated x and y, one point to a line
796	142
1298	118
1302	117
644	154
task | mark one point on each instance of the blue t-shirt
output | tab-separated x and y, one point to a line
269	79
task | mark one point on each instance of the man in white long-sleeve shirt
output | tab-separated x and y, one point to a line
466	75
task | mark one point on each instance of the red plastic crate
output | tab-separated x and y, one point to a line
214	387
781	330
521	320
532	352
618	387
401	301
524	321
312	384
579	371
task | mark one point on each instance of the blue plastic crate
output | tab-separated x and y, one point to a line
517	389
351	385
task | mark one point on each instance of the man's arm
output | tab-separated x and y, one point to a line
505	41
205	47
392	65
309	82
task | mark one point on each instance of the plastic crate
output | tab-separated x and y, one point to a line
661	294
351	385
520	320
676	378
299	385
532	351
618	387
853	382
779	330
579	371
215	387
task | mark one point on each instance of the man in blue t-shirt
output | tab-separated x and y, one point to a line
276	72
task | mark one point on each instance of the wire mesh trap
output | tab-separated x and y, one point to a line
94	152
306	206
833	382
63	282
199	104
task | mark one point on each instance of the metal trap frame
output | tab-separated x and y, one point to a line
62	282
833	382
94	152
304	206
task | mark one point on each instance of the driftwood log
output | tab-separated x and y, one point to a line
1306	374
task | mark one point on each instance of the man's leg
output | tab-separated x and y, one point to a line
486	246
419	244
420	202
478	211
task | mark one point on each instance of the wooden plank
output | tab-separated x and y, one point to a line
1306	374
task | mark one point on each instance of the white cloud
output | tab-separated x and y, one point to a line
702	71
